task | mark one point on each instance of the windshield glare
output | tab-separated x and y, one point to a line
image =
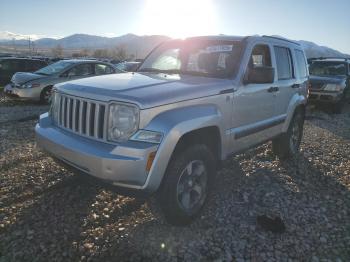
327	69
54	68
203	58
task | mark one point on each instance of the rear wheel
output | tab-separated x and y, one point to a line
45	96
288	144
186	184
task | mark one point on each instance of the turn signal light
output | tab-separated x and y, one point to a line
150	159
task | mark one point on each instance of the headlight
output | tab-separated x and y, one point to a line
30	85
123	121
147	136
332	87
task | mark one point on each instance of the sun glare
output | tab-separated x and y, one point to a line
179	18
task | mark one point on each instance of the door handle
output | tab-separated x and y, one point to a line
273	89
295	86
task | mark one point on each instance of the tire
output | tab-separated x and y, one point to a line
186	184
45	95
287	145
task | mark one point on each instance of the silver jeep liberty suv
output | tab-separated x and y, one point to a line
192	104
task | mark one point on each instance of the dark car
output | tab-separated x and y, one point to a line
11	65
330	82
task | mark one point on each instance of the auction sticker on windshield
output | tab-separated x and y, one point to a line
219	48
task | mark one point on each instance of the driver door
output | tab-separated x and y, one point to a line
253	104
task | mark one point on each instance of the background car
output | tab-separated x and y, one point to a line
330	82
11	65
38	85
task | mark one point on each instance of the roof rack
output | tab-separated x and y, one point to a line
281	38
324	58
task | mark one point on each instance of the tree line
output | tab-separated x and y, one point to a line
117	53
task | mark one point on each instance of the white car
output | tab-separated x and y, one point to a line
37	86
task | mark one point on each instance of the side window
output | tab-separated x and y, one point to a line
260	56
284	63
81	70
101	69
301	62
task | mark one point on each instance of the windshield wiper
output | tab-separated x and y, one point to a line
155	70
148	70
41	74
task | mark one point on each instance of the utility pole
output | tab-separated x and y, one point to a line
14	45
33	47
29	46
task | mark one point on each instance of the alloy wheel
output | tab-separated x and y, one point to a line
192	186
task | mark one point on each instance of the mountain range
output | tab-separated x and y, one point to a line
140	45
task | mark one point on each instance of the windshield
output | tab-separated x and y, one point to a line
204	58
54	68
327	69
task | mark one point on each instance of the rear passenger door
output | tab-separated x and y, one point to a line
286	80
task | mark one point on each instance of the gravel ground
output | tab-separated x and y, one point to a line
50	214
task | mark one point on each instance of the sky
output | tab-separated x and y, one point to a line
324	22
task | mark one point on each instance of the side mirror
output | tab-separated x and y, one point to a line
260	75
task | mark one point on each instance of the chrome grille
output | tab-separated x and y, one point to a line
82	116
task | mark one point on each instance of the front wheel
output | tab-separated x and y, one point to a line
186	184
288	144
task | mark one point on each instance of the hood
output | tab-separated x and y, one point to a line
327	79
146	90
23	77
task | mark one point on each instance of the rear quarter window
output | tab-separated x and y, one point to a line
301	63
284	63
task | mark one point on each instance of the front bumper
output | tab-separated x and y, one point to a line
122	165
22	93
325	97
